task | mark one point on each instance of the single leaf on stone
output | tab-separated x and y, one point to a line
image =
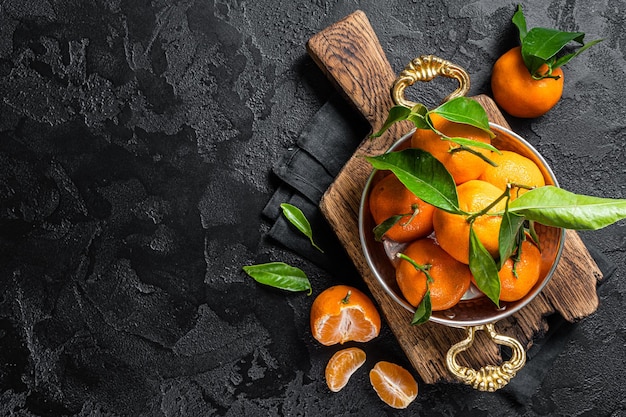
299	220
279	275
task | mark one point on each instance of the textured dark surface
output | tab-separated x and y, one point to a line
137	141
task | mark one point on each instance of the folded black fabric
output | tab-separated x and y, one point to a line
323	148
307	171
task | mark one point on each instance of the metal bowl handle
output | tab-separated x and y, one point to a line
488	378
425	68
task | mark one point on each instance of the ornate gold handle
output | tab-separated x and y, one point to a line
488	378
425	68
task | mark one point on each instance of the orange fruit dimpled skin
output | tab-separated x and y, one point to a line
517	92
341	366
462	165
528	270
513	168
452	230
343	313
393	384
451	278
389	197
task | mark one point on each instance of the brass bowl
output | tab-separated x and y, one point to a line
474	309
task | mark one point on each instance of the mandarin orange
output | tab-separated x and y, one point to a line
451	278
388	198
517	92
517	277
462	165
513	168
453	230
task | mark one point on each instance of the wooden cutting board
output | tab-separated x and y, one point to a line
351	56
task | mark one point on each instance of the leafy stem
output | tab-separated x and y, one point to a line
474	152
459	110
424	310
382	228
485	210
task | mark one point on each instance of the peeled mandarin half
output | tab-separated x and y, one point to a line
343	313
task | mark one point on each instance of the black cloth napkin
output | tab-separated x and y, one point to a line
308	169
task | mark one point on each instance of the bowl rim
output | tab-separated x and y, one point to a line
499	314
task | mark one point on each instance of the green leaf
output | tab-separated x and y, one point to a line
299	220
484	269
465	110
519	20
279	275
566	58
540	45
553	206
396	114
509	232
545	43
423	175
423	311
473	143
381	229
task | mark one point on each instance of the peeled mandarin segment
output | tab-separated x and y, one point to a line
341	366
393	384
342	313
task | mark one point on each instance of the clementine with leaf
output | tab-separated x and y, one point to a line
463	163
518	93
450	278
391	201
453	230
520	272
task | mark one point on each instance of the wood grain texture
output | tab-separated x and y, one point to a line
351	56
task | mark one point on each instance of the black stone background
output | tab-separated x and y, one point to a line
137	141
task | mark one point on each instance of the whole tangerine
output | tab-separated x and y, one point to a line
517	92
388	198
451	278
453	230
462	164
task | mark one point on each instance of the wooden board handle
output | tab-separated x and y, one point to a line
351	56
